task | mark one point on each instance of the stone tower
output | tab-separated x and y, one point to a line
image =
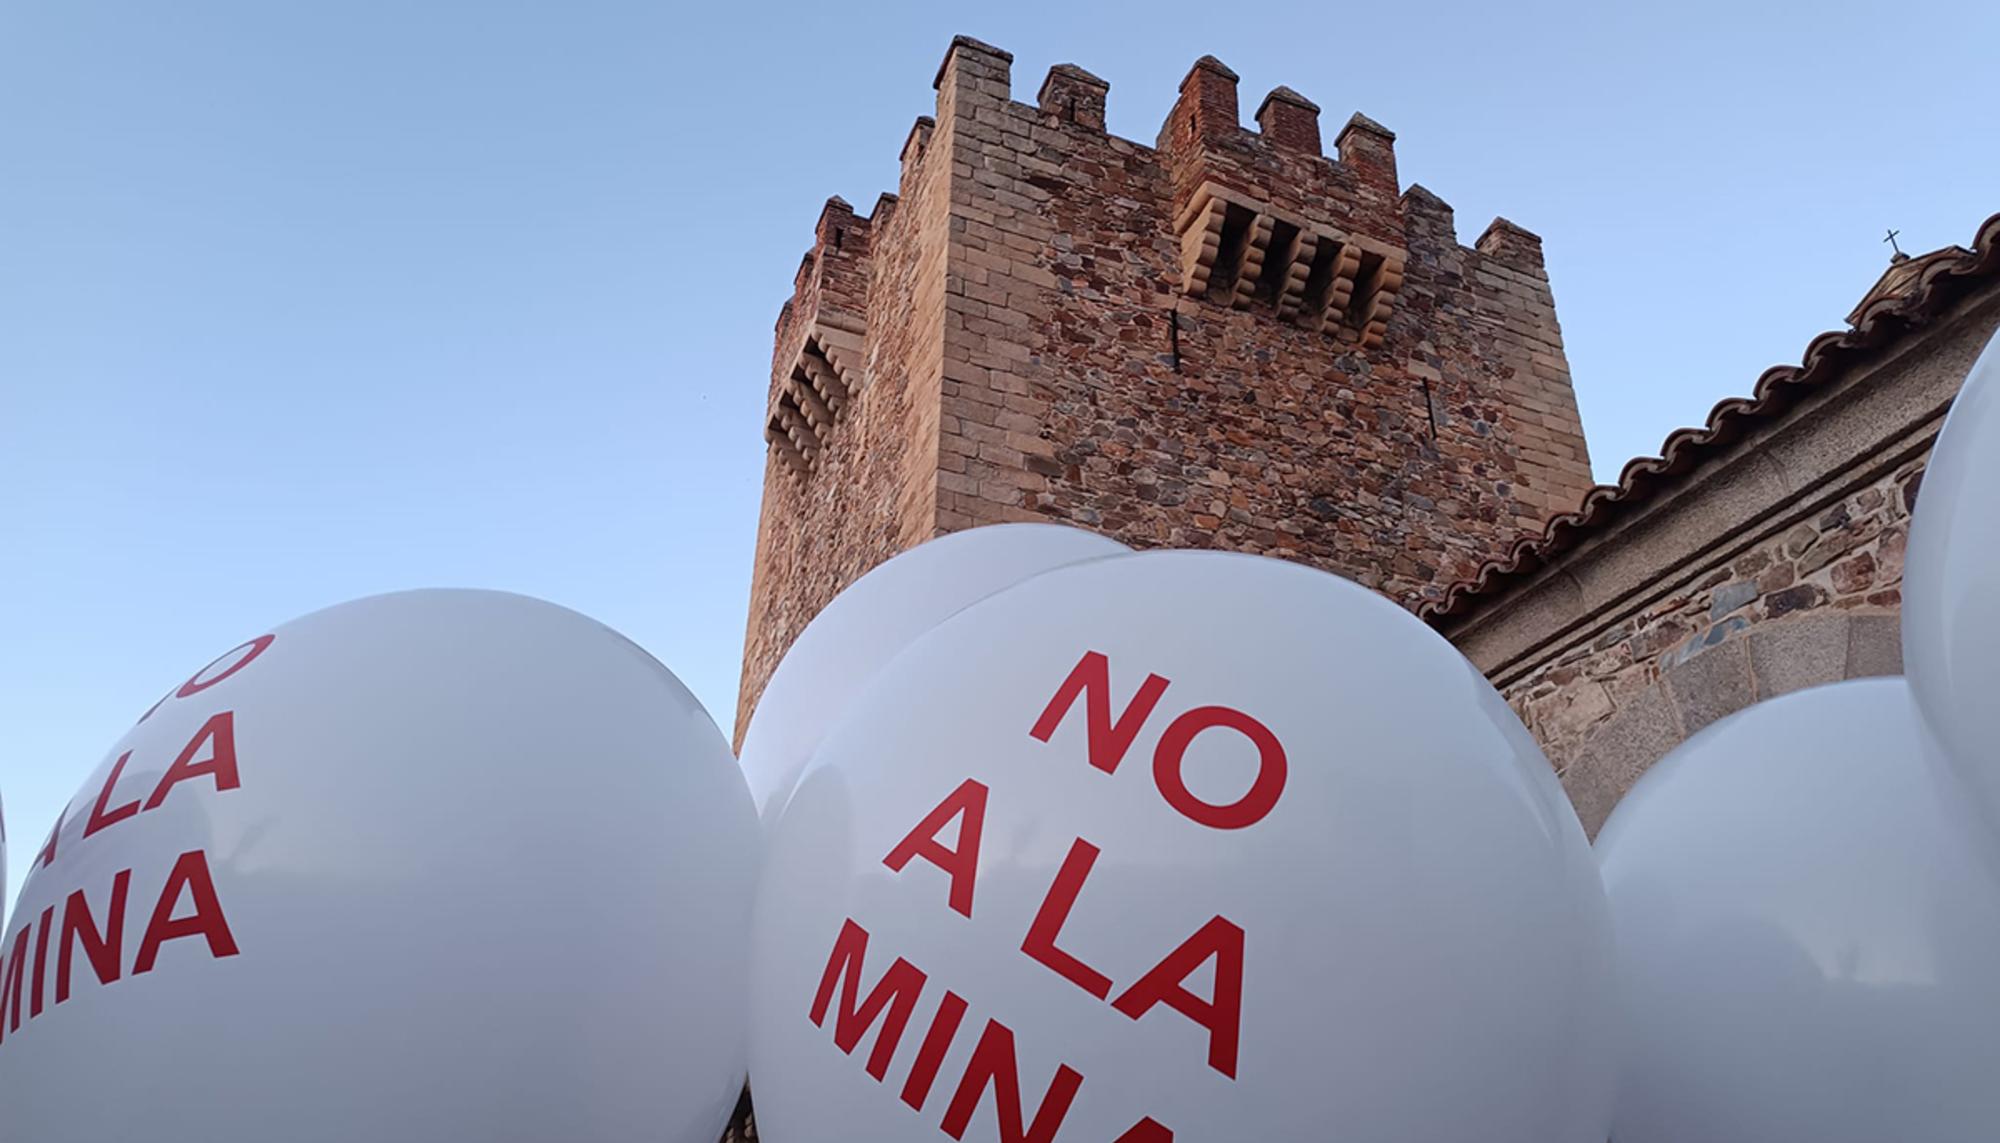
1225	340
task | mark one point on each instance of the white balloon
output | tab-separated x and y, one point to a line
1809	944
875	617
1308	768
426	866
1951	586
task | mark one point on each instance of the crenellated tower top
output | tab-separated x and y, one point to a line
1229	339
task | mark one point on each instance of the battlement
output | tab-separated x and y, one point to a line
1227	338
1262	217
816	365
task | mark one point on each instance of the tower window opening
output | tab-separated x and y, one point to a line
1278	263
1229	255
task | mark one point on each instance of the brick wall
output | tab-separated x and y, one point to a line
1225	340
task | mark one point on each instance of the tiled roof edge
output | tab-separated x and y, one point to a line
1826	357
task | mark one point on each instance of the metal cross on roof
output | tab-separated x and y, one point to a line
1891	240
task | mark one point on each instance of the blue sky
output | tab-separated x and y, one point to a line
301	302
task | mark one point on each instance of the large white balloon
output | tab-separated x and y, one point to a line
426	866
1951	586
874	618
1180	845
1809	943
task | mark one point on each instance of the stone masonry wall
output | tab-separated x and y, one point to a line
1084	385
1772	561
872	489
1229	340
1815	603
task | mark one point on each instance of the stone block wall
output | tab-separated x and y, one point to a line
1086	384
1816	603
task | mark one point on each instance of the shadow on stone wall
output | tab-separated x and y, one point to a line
1761	662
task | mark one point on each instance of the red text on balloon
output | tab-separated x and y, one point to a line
225	665
1107	740
993	1065
967	806
102	942
211	753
